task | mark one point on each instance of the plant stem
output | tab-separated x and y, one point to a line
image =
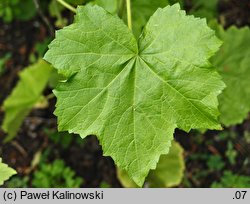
129	16
66	5
50	96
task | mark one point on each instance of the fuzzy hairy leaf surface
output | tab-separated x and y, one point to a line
233	62
5	172
133	95
168	173
24	96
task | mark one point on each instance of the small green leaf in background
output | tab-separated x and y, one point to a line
247	136
105	185
42	47
172	2
170	169
205	8
125	180
231	153
142	10
215	163
233	62
64	139
39	50
24	96
168	173
5	172
231	180
111	6
106	93
3	60
56	175
17	9
24	11
55	10
18	182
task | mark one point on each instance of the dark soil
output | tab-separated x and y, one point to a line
234	12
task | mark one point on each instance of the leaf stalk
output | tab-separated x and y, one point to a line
129	15
66	5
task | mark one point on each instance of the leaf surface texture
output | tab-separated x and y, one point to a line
133	95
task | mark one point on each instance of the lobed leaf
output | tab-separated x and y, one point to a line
133	95
141	10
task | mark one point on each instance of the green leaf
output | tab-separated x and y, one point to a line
55	10
205	9
231	180
3	61
170	169
111	6
55	175
141	12
5	172
168	173
24	96
132	96
233	62
25	11
125	180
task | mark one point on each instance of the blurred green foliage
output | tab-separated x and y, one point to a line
28	91
17	9
231	153
215	163
205	9
64	139
18	182
104	185
231	180
247	136
39	49
56	175
3	60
